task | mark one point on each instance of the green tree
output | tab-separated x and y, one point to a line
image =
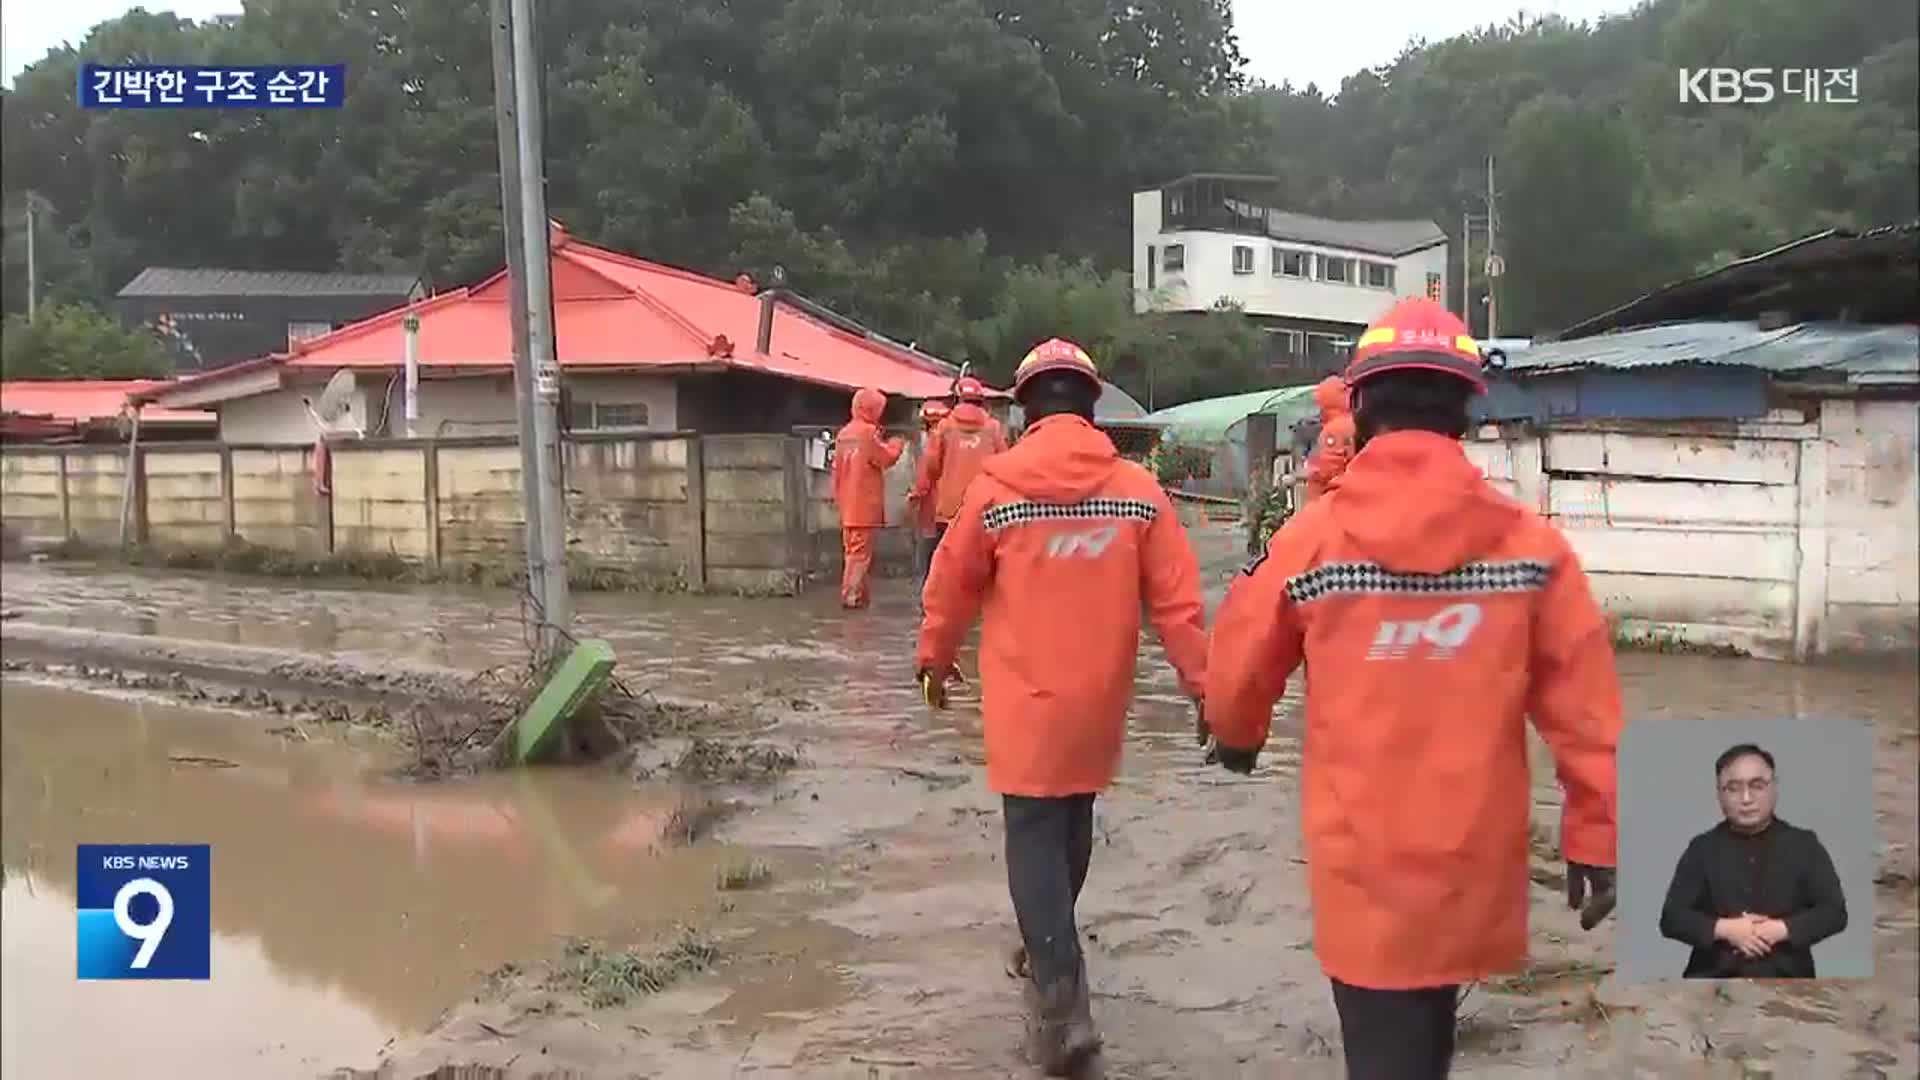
77	342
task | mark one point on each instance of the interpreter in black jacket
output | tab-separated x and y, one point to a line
1753	895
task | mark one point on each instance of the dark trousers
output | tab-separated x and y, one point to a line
1049	843
1396	1034
923	559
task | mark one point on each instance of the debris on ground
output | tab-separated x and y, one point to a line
712	761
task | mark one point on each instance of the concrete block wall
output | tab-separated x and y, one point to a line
1872	504
729	512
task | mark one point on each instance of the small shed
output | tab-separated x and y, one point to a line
212	317
1219	426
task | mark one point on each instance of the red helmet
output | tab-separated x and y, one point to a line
1054	354
1418	333
970	389
932	412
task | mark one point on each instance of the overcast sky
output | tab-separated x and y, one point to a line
1320	41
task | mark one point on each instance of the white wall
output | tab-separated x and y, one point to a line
448	407
1797	535
1208	277
1872	504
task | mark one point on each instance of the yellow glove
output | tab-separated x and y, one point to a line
933	687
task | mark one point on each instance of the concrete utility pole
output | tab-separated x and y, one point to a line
507	132
547	558
1494	264
33	276
1466	270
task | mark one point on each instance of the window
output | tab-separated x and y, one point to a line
1152	270
301	331
1288	263
1242	259
1286	348
1336	269
602	416
1433	286
1379	276
1327	350
1173	258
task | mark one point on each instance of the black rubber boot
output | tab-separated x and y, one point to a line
1061	1038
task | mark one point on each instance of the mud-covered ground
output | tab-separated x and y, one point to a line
874	945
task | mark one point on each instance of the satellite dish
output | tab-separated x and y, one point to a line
330	414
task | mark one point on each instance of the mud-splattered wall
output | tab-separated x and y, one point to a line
728	512
1791	536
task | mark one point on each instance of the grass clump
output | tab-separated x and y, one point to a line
608	978
749	874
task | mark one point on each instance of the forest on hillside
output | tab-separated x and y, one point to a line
957	172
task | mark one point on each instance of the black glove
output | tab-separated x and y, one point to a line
1235	761
1201	731
1591	890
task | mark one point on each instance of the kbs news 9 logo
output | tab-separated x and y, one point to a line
144	911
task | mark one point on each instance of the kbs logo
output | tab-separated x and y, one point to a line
1444	633
144	911
1758	86
1090	544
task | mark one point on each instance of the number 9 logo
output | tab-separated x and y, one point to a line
149	935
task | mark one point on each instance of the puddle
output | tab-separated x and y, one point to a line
346	910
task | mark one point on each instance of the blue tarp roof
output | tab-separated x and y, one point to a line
1863	354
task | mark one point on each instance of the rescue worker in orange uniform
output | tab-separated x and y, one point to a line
862	454
1433	614
924	523
959	446
1334	448
1058	544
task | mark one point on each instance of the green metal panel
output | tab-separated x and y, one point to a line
577	680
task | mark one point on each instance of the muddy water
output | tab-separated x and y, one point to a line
889	964
347	911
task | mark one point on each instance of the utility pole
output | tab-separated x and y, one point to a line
1466	270
33	276
507	131
1495	265
548	559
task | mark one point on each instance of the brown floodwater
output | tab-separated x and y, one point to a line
380	902
347	910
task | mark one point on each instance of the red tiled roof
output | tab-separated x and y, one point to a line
79	401
615	311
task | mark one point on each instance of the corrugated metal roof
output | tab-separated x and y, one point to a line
86	400
1862	353
1208	420
1380	237
615	312
174	281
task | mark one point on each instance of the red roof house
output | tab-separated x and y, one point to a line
64	410
640	345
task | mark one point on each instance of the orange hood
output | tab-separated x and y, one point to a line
1060	459
868	404
969	416
1413	502
1331	396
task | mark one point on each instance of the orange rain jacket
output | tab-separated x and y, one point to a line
1334	448
1057	545
861	458
960	444
1434	614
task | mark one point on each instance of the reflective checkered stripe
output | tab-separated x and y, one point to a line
1367	578
1007	515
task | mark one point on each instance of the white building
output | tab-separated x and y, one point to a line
1210	239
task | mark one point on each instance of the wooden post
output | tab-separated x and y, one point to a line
1810	634
227	528
130	529
325	506
432	495
696	512
66	500
799	542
